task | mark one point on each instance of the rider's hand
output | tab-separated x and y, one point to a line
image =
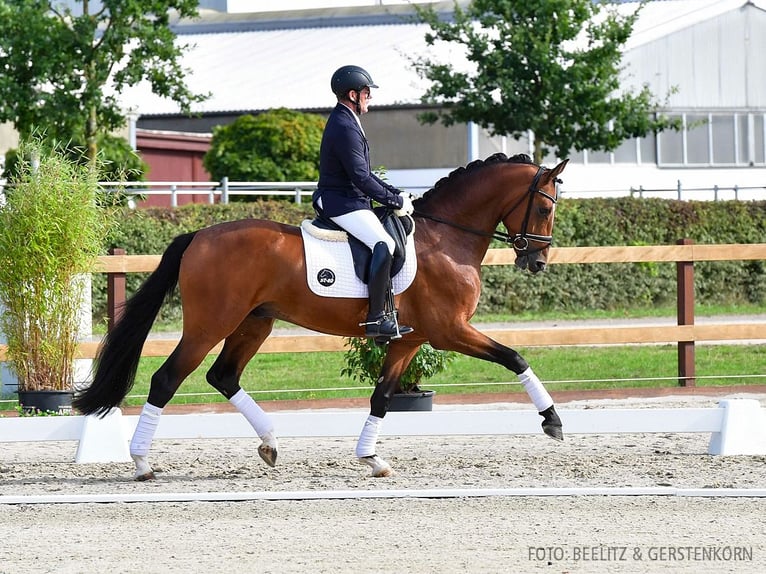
407	208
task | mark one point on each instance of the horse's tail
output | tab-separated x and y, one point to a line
118	357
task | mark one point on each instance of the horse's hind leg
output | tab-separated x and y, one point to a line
165	382
225	373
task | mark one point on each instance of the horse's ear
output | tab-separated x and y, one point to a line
558	169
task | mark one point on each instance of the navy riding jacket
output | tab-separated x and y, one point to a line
346	182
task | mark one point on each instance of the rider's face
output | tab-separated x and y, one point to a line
363	97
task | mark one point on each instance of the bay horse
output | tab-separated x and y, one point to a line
259	267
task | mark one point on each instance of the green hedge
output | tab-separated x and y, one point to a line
579	222
633	221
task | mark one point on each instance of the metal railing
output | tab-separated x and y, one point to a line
216	191
679	190
222	191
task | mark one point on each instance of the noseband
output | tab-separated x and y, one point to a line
519	241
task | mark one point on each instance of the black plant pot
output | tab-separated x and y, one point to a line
46	401
414	401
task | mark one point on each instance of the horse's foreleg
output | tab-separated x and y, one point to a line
225	373
398	358
473	343
542	401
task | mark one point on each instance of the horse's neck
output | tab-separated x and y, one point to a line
455	235
471	207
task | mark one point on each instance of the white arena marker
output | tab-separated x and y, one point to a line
379	494
743	430
103	439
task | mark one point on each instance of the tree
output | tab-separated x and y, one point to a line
277	145
60	71
549	66
117	161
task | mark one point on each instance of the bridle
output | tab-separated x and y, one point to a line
519	241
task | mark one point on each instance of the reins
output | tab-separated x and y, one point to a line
519	241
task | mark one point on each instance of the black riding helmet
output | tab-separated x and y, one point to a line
350	78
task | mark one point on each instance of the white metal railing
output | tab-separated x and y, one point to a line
222	191
217	191
679	190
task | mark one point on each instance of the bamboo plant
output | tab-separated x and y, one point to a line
51	231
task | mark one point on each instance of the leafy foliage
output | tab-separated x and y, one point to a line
364	361
51	230
278	145
549	66
117	161
62	69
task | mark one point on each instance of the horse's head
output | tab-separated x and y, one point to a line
475	199
533	219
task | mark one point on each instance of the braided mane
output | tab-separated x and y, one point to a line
474	165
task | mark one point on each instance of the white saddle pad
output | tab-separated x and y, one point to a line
330	269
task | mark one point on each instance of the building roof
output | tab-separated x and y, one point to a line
253	62
663	17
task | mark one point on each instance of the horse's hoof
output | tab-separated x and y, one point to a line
145	476
554	432
144	471
552	423
268	454
380	468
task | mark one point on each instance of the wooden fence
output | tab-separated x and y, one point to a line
685	333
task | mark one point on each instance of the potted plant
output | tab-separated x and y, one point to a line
51	231
364	361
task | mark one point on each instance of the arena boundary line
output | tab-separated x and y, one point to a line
297	495
736	427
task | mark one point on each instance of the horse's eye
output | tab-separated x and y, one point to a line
544	211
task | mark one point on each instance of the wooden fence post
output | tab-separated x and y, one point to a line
685	298
115	292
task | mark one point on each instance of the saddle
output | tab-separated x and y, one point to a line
399	228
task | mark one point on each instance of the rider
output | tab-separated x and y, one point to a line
347	186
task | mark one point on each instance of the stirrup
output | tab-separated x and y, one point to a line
393	329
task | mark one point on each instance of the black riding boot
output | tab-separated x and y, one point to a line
378	325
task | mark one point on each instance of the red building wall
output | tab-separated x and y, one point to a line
173	157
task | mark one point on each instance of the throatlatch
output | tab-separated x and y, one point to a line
382	322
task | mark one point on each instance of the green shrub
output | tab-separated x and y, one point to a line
364	361
278	145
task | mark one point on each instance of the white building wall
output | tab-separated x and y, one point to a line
714	64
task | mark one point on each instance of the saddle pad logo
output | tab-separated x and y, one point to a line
326	277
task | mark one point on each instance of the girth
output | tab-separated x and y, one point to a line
399	228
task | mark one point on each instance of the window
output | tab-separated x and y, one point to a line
759	131
707	139
723	139
671	147
648	149
698	139
626	153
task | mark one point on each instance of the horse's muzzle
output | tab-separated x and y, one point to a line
533	263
